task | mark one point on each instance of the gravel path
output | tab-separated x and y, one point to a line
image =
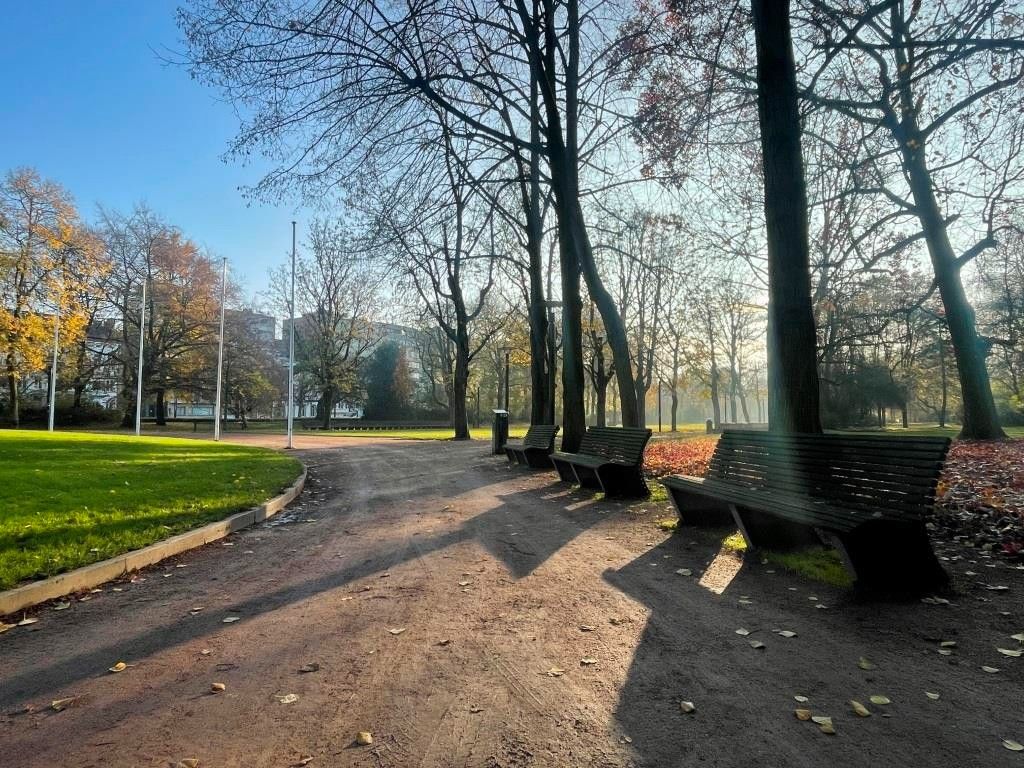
470	614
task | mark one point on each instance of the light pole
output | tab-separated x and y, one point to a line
291	351
53	366
508	355
138	375
220	348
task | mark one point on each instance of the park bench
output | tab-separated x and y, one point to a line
867	496
534	450
609	459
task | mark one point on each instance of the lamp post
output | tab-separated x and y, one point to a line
220	349
291	350
138	375
508	355
53	366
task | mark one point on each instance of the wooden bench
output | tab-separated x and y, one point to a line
535	449
867	496
609	459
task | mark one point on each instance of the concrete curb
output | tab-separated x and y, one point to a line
90	576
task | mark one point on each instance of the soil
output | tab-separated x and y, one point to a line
540	626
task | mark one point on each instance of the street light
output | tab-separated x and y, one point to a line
220	349
508	355
291	350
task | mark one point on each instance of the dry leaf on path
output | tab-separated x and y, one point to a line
880	700
554	672
802	714
6	627
312	667
587	628
474	709
756	644
865	664
27	621
364	738
229	619
288	698
684	572
990	670
397	630
1013	746
218	688
801	699
59	705
859	709
786	633
119	667
687	707
188	762
587	661
742	632
932	696
1008	652
62	606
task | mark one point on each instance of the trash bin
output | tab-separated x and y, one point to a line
499	432
709	426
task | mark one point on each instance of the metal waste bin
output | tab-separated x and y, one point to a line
499	432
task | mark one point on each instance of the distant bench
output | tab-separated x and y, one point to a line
609	459
359	424
867	496
534	450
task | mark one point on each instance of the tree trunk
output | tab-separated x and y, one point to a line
15	406
326	406
792	342
981	420
460	387
945	384
161	411
716	405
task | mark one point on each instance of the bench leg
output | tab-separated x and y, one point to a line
695	509
588	478
565	472
890	557
537	459
623	481
511	455
762	530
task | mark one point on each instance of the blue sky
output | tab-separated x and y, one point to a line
88	102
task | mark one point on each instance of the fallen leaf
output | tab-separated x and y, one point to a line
446	641
945	652
397	630
687	707
364	738
587	628
684	572
555	672
932	696
62	606
588	661
880	700
6	627
59	705
312	667
947	644
288	698
786	633
1008	652
465	583
302	761
205	652
218	688
990	670
229	619
859	709
1013	746
188	762
742	632
757	644
743	601
827	728
865	664
119	667
27	621
1019	637
802	714
821	719
801	699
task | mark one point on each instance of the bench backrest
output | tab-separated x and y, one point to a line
622	444
873	473
540	436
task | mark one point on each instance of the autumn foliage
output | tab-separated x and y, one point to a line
681	457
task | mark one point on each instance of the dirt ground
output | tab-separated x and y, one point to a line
540	626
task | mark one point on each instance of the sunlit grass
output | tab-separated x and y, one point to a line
68	499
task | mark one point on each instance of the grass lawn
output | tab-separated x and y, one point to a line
69	499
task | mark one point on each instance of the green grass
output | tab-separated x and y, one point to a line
816	563
69	499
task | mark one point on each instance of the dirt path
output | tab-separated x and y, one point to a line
496	577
